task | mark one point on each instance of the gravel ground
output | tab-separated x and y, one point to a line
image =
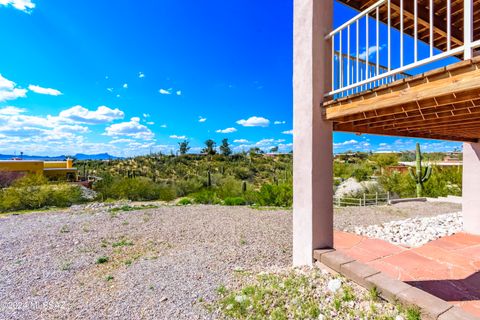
161	262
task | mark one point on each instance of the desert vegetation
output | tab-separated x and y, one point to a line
224	177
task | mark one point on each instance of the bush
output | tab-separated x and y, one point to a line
135	189
206	196
234	201
185	202
275	195
33	192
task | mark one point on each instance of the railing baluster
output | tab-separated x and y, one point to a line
415	30
431	28
401	33
348	55
357	49
449	27
389	36
333	62
378	39
366	43
340	58
467	28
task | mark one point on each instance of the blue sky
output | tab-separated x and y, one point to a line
130	77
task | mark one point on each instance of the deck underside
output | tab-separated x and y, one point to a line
440	104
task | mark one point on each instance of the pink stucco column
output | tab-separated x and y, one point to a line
312	157
471	187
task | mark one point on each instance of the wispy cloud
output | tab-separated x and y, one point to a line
227	130
125	86
254	122
41	90
279	122
241	141
201	119
345	143
141	75
288	132
174	136
371	51
164	91
179	92
9	90
23	5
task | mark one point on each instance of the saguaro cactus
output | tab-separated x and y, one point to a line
419	175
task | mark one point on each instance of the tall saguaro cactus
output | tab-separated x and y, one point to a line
420	176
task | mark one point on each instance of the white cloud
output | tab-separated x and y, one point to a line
179	93
227	130
146	115
345	143
132	129
254	122
371	51
9	89
10	111
201	119
279	122
121	141
80	114
288	132
110	89
150	122
174	136
241	141
163	91
141	75
23	5
125	86
47	91
163	126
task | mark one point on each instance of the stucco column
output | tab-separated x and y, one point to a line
312	148
471	187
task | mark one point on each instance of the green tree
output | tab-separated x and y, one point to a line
183	147
274	149
225	148
210	147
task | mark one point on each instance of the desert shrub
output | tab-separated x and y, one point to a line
206	196
234	201
185	202
135	189
7	178
275	195
33	192
229	187
186	187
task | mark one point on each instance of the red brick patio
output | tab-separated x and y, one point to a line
448	268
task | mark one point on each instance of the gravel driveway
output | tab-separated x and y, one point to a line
155	263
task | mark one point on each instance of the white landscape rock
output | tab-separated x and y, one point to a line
334	284
415	232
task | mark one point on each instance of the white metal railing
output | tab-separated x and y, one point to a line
354	71
363	200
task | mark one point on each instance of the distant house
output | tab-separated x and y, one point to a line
54	170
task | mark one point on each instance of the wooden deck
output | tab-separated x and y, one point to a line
440	104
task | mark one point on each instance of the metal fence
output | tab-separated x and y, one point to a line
365	200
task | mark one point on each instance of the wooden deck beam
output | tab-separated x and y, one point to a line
451	83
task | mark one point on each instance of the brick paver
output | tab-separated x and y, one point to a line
448	268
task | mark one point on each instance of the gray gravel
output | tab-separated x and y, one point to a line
171	259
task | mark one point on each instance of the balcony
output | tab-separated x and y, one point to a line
407	68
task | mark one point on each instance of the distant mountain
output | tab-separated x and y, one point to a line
78	156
